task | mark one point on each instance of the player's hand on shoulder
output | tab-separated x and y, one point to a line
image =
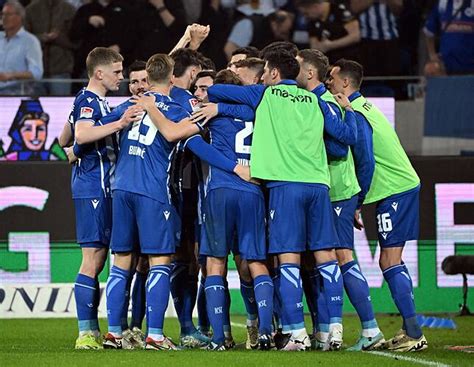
146	102
342	100
132	114
206	112
96	21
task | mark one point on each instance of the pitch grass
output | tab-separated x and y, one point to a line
50	342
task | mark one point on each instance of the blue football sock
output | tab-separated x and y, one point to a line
277	314
264	299
86	304
291	289
138	300
401	288
322	312
227	328
97	296
333	289
357	290
179	280
157	296
203	319
126	305
308	289
248	295
216	306
189	303
116	298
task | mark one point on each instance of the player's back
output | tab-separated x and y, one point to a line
288	141
94	172
184	98
144	158
233	138
393	173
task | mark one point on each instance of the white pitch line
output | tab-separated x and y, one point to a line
410	359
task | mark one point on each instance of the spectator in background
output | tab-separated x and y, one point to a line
333	30
160	24
258	26
452	23
379	35
20	51
242	53
102	23
50	21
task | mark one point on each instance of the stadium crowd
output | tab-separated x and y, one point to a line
384	36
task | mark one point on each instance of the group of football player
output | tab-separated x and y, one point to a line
271	160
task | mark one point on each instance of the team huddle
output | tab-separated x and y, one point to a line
271	159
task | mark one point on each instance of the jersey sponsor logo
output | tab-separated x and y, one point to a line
86	112
272	213
295	99
338	210
194	104
395	205
95	203
162	106
166	213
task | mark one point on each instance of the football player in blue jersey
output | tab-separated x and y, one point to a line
91	183
232	207
140	192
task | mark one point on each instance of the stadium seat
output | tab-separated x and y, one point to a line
457	264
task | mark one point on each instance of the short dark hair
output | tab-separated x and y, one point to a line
250	51
159	68
184	58
206	73
227	77
285	62
137	65
317	59
352	70
207	63
101	56
252	63
279	46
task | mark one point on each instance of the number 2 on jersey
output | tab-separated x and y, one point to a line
240	146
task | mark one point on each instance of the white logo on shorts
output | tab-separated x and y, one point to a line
272	213
395	205
95	203
166	213
338	210
384	235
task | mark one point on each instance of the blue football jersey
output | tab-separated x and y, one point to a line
93	173
185	98
144	159
233	138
